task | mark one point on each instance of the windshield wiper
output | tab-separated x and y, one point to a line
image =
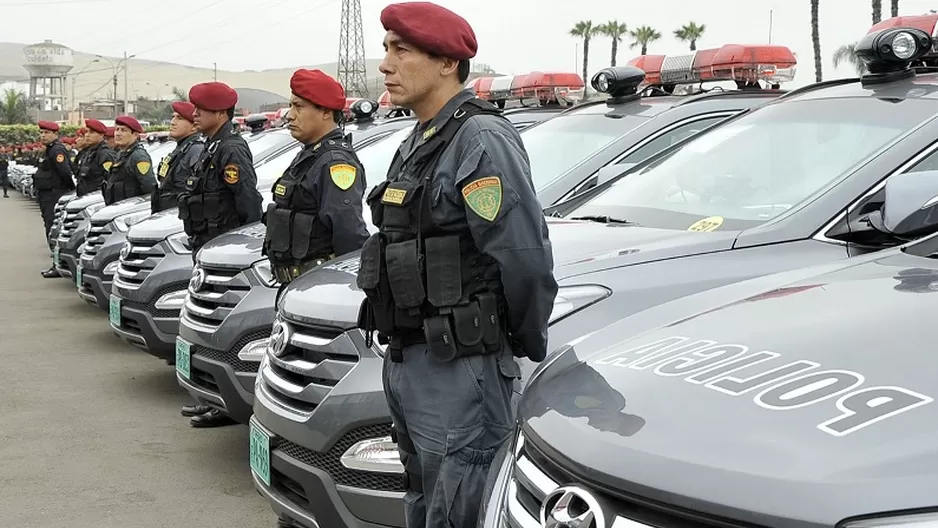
604	219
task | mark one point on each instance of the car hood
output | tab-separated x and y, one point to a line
78	204
157	226
238	248
330	291
130	205
836	420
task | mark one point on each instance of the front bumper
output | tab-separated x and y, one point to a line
95	287
141	324
218	378
68	253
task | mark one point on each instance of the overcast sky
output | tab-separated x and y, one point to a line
514	36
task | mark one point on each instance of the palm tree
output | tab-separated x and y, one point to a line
895	8
642	36
179	94
877	11
816	40
585	30
614	30
847	54
14	108
690	32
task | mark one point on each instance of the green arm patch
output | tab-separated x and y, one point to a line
484	197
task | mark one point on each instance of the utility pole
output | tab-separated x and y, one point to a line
352	70
126	102
115	93
770	25
215	70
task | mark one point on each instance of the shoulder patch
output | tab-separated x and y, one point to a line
107	165
143	167
343	175
484	197
232	174
60	158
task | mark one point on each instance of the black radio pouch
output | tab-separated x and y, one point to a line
463	331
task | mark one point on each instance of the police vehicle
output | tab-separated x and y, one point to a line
226	320
785	185
804	398
339	468
155	264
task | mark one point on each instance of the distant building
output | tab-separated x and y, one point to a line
48	65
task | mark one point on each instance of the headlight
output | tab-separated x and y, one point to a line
571	299
377	455
179	243
172	301
111	268
904	46
123	223
923	520
264	273
87	212
254	351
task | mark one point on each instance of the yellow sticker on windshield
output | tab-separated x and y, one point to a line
711	223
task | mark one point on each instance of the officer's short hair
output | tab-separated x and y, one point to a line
231	113
338	116
462	69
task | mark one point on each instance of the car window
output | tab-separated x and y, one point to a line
754	168
271	170
558	144
669	138
265	143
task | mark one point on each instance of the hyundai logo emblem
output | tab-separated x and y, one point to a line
197	280
125	251
571	507
279	338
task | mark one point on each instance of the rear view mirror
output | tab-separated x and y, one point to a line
607	174
910	208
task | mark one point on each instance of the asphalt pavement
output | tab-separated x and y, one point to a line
90	430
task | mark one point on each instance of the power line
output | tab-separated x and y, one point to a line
55	2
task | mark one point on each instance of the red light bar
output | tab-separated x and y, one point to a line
926	23
563	87
384	101
482	86
733	62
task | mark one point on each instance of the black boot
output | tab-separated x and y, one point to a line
194	410
213	418
51	273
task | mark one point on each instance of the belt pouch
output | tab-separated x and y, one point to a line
278	229
467	324
439	335
301	233
444	280
491	323
375	286
212	206
404	274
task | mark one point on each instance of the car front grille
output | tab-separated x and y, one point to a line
143	257
97	234
314	361
230	357
217	296
70	222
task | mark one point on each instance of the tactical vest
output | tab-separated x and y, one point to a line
417	276
166	195
294	232
90	177
122	182
207	206
47	177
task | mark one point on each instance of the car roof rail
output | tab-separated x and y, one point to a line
518	109
711	94
819	85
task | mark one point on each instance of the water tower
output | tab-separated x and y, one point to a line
48	64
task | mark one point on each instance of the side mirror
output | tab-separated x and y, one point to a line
910	208
607	174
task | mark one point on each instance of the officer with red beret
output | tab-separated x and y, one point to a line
220	195
459	280
180	164
95	159
53	179
316	212
109	138
131	174
78	148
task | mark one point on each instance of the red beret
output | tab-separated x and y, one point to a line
432	28
96	126
130	123
213	96
110	132
318	88
51	126
185	109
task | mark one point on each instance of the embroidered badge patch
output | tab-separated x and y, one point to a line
343	175
393	196
60	158
484	197
429	133
280	190
164	168
107	165
232	174
143	167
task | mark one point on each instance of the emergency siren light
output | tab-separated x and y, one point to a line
891	46
732	62
363	109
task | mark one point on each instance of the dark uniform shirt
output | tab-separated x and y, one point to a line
324	187
55	171
94	165
131	175
175	169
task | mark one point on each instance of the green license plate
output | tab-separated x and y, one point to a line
260	453
55	257
183	357
78	277
114	310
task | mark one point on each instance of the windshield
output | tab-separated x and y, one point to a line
754	168
557	145
265	143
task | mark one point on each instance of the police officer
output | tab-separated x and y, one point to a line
316	212
109	138
460	278
4	171
53	179
222	193
78	147
95	159
180	164
132	173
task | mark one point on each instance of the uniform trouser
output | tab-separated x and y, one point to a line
47	201
457	415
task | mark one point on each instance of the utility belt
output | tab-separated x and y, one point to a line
285	274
